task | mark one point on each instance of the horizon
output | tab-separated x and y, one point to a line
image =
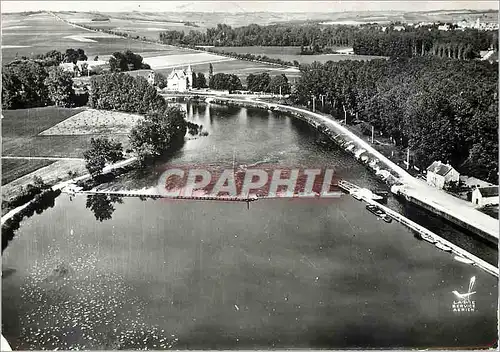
249	6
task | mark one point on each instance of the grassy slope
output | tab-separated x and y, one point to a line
13	169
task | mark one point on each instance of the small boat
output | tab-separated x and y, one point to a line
463	260
356	195
387	218
428	238
443	247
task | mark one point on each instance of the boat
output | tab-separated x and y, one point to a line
443	247
387	218
356	195
463	260
379	212
428	238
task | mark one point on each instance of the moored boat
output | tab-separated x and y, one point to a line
443	247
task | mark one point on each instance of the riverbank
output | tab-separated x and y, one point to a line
451	208
63	184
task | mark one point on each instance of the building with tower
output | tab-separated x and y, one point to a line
180	80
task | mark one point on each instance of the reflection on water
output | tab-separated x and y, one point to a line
158	274
102	205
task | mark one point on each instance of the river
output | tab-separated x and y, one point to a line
127	273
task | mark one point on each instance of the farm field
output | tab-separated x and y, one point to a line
21	133
13	169
30	122
55	133
291	53
134	26
28	35
93	122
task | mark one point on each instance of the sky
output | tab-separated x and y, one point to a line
244	6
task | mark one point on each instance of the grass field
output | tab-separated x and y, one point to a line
21	133
13	169
291	53
31	133
94	122
30	122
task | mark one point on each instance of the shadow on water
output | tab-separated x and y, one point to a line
40	203
102	205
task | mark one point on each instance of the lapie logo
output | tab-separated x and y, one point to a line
463	303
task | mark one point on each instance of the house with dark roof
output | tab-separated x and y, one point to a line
439	174
482	196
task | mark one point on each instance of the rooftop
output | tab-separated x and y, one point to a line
439	168
489	191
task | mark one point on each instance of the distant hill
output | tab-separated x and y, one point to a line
236	19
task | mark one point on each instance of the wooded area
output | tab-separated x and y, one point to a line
441	109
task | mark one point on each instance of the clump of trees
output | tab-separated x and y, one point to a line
441	109
38	81
223	81
126	61
198	80
158	132
60	86
122	92
102	151
264	83
23	85
73	55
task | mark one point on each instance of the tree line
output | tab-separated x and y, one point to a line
441	109
271	35
368	39
421	42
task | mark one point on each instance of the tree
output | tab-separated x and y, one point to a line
210	71
157	132
126	61
277	82
73	55
201	81
194	81
160	80
50	58
101	152
222	81
23	85
60	86
122	92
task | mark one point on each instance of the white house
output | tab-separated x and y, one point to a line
93	66
439	174
151	78
485	195
180	80
85	66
